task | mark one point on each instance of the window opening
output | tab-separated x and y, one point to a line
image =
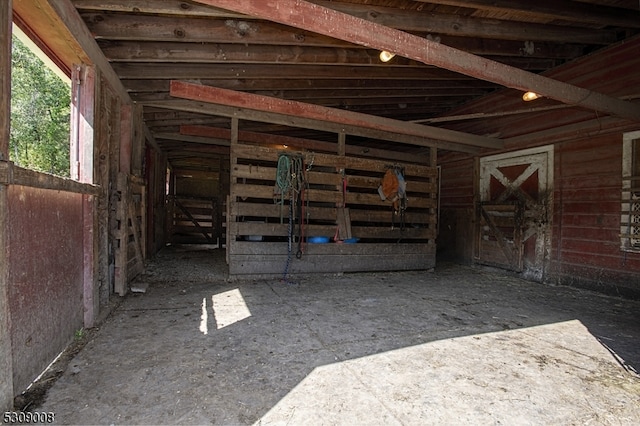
40	110
630	220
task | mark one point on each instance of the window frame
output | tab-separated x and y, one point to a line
630	202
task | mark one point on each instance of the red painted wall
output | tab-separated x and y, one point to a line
586	242
587	172
45	276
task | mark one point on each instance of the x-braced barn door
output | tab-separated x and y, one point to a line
514	211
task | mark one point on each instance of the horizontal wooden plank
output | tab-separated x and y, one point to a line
411	217
378	249
393	234
371	232
267	192
374	200
335	161
414	187
329	213
312	177
274	265
10	174
249	258
277	229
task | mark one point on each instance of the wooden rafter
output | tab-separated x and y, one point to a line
121	27
213	95
217	133
297	13
306	123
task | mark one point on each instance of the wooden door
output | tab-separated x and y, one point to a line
514	211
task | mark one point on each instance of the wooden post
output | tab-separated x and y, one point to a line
126	138
121	237
231	201
6	358
433	162
342	144
83	90
138	143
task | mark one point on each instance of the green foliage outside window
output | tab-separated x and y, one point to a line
39	114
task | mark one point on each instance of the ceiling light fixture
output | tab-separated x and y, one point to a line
386	56
530	96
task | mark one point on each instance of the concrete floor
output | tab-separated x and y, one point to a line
455	346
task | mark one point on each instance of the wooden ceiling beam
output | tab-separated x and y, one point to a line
571	11
300	143
297	13
367	98
173	23
193	139
281	55
279	86
305	123
213	95
163	7
170	51
170	71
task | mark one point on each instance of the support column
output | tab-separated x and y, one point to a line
83	89
6	359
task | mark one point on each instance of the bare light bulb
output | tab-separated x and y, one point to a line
386	56
530	96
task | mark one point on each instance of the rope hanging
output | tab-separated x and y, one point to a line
290	183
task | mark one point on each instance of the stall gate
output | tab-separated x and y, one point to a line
514	211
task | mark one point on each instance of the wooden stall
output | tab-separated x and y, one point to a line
129	231
308	212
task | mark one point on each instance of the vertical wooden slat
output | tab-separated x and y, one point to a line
6	361
85	95
138	142
82	160
5	78
233	159
143	224
91	297
342	142
126	138
121	237
433	162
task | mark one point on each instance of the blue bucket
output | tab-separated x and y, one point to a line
318	240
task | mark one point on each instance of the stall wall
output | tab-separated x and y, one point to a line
347	226
45	240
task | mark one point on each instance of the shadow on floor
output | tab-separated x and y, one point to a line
456	345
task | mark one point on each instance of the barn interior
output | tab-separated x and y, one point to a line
265	129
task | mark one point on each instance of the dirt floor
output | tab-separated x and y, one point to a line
454	346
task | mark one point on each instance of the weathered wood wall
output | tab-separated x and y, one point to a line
587	212
155	176
46	272
258	224
6	361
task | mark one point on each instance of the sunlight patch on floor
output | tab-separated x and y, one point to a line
502	377
229	308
